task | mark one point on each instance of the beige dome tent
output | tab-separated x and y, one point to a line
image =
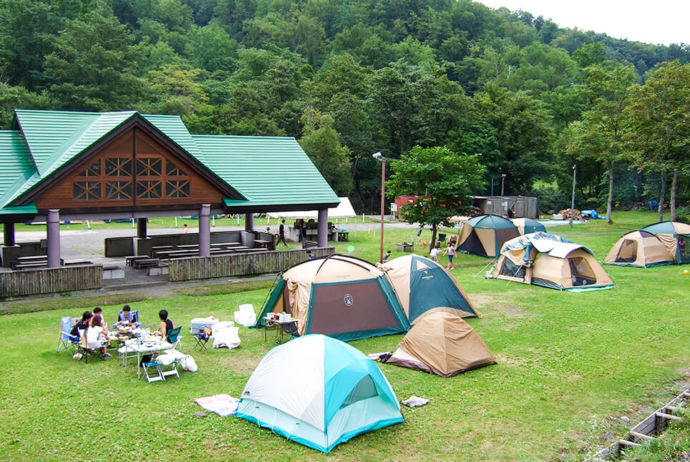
422	284
639	248
548	260
484	235
441	343
340	296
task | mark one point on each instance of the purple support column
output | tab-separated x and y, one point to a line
249	222
205	231
53	228
323	228
8	234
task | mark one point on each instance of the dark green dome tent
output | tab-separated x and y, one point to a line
484	235
422	285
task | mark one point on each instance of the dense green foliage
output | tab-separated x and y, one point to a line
347	78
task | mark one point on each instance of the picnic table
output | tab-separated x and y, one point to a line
139	347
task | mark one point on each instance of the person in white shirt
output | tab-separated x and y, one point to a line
96	337
434	252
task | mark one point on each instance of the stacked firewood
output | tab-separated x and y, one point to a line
566	214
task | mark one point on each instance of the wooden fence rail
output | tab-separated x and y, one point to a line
185	269
50	280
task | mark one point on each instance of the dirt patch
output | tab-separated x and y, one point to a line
494	305
511	360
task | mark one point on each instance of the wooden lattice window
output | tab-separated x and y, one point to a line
177	188
173	170
86	190
118	166
92	170
149	189
149	166
115	190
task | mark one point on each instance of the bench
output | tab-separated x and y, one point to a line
77	262
29	265
129	261
145	263
262	243
343	235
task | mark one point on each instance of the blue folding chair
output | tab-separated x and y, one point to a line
67	341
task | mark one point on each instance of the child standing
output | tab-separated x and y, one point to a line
434	252
450	251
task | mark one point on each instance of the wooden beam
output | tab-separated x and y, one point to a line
627	443
641	436
663	415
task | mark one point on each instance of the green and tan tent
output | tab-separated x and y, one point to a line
340	296
639	248
441	343
528	225
548	260
484	235
422	284
675	236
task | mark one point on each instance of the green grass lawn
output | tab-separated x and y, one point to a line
570	365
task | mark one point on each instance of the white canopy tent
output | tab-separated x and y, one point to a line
343	210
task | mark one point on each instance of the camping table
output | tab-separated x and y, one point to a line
148	346
279	325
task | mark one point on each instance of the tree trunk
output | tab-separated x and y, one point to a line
674	187
662	195
609	202
434	230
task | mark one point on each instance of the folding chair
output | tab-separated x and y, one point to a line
84	349
441	237
135	317
67	341
173	337
156	366
202	338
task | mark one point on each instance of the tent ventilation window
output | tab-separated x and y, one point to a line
512	270
365	389
581	272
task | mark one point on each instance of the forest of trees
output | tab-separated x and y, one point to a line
351	77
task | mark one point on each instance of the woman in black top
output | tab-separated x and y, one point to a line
166	324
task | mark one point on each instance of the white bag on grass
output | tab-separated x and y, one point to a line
188	364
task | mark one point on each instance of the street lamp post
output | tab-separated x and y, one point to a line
572	202
380	157
503	183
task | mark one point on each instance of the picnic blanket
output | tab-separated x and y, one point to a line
223	405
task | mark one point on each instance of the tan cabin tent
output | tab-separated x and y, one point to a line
422	284
675	236
441	343
548	260
639	248
340	296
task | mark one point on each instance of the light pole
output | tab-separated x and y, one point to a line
380	157
503	183
572	202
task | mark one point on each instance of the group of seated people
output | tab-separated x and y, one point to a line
96	330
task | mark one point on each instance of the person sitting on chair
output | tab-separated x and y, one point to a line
82	325
98	311
126	317
96	336
166	324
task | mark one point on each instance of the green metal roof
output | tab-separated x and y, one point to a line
267	170
16	164
21	210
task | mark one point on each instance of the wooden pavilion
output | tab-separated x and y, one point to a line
58	166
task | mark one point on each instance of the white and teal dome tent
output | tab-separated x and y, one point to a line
319	392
